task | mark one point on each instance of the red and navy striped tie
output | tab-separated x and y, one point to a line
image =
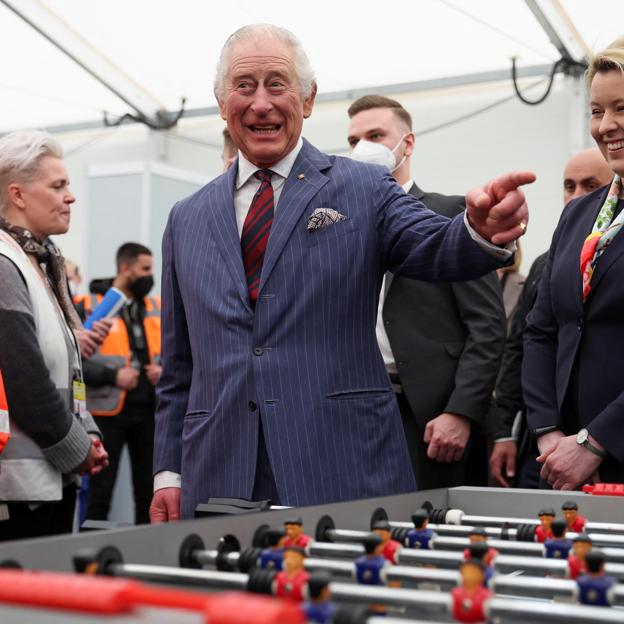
256	231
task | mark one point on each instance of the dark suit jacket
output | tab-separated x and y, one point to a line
573	371
306	360
508	401
447	337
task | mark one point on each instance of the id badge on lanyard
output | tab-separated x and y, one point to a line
79	391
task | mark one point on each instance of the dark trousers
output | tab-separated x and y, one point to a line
46	519
134	426
429	474
264	487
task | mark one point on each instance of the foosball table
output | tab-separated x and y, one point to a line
462	554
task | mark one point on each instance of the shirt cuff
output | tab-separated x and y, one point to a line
166	478
510	439
503	253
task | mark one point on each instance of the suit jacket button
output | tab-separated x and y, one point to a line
252	406
258	350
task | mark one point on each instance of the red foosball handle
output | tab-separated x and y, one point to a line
103	595
605	489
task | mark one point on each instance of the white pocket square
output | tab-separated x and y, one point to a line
322	217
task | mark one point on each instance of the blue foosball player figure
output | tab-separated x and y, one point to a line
369	567
319	608
420	536
558	546
272	556
595	587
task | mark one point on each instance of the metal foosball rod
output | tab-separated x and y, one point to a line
228	556
331	542
460	518
432	604
109	561
192	554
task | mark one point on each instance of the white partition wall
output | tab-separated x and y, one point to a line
130	202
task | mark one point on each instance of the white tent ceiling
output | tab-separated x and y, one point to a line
171	48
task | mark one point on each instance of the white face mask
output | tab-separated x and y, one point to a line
377	154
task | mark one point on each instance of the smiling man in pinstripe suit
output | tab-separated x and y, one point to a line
273	385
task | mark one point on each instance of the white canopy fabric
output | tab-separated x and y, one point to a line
171	48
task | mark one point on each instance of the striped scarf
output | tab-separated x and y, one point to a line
46	252
602	234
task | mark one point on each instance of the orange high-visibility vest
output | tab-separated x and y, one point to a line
5	432
116	349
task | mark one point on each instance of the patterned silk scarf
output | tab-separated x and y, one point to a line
48	253
604	231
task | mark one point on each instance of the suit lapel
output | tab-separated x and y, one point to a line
296	195
225	231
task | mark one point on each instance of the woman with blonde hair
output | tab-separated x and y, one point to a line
48	437
574	358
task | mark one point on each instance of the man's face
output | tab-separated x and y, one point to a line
546	521
570	515
378	125
263	104
143	266
584	173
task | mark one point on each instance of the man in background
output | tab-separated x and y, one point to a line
229	151
441	342
122	376
514	452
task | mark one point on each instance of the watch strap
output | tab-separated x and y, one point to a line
594	449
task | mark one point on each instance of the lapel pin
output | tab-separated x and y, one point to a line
301	176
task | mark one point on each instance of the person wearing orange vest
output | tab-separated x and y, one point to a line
121	380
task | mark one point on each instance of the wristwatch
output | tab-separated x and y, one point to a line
582	438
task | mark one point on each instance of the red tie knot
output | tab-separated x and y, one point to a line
264	175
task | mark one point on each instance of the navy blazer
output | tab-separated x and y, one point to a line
573	370
308	356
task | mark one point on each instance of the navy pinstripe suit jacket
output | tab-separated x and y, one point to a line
308	357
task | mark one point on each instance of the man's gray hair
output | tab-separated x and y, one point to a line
20	153
303	69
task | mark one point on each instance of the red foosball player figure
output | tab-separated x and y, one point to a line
544	531
469	599
595	587
575	522
420	535
558	546
271	556
290	582
319	608
390	547
478	535
294	533
581	545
